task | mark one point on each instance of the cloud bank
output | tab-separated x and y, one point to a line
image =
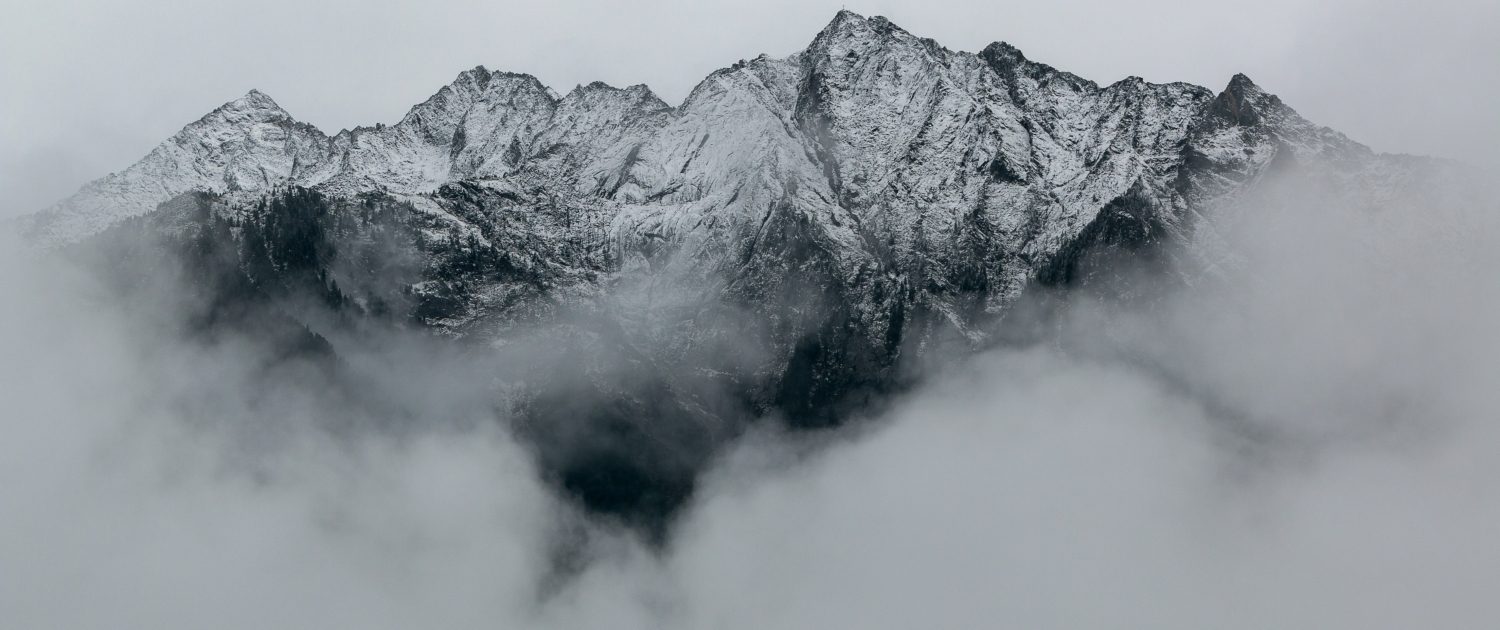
1306	438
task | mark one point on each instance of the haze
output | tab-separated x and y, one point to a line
1309	440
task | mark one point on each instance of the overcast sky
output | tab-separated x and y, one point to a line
90	86
1308	449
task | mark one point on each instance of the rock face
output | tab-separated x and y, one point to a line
794	230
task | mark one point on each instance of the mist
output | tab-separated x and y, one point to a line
1300	431
1301	434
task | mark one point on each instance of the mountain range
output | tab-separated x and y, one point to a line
786	242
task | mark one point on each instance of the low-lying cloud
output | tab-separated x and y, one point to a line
1308	439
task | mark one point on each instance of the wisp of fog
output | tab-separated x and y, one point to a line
1304	435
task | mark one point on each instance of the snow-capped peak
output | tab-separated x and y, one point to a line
868	113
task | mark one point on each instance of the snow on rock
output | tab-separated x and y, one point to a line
789	233
904	165
249	143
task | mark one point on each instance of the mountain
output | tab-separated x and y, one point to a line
784	242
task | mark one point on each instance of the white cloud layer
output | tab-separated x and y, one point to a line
1311	443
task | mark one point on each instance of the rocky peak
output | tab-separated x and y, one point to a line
480	88
1015	68
851	35
868	113
254	100
872	197
239	115
1245	111
478	75
844	21
1243	102
1007	60
599	93
867	88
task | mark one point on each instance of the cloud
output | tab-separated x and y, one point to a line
1309	442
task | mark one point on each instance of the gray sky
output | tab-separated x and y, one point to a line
996	491
89	86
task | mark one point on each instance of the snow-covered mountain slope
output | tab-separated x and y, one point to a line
918	188
871	117
249	143
781	242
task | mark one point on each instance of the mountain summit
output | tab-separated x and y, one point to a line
867	104
780	243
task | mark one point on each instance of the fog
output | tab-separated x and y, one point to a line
1304	434
1303	438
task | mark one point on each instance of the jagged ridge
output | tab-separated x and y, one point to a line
794	229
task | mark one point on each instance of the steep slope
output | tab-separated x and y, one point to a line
866	197
248	144
905	134
782	243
